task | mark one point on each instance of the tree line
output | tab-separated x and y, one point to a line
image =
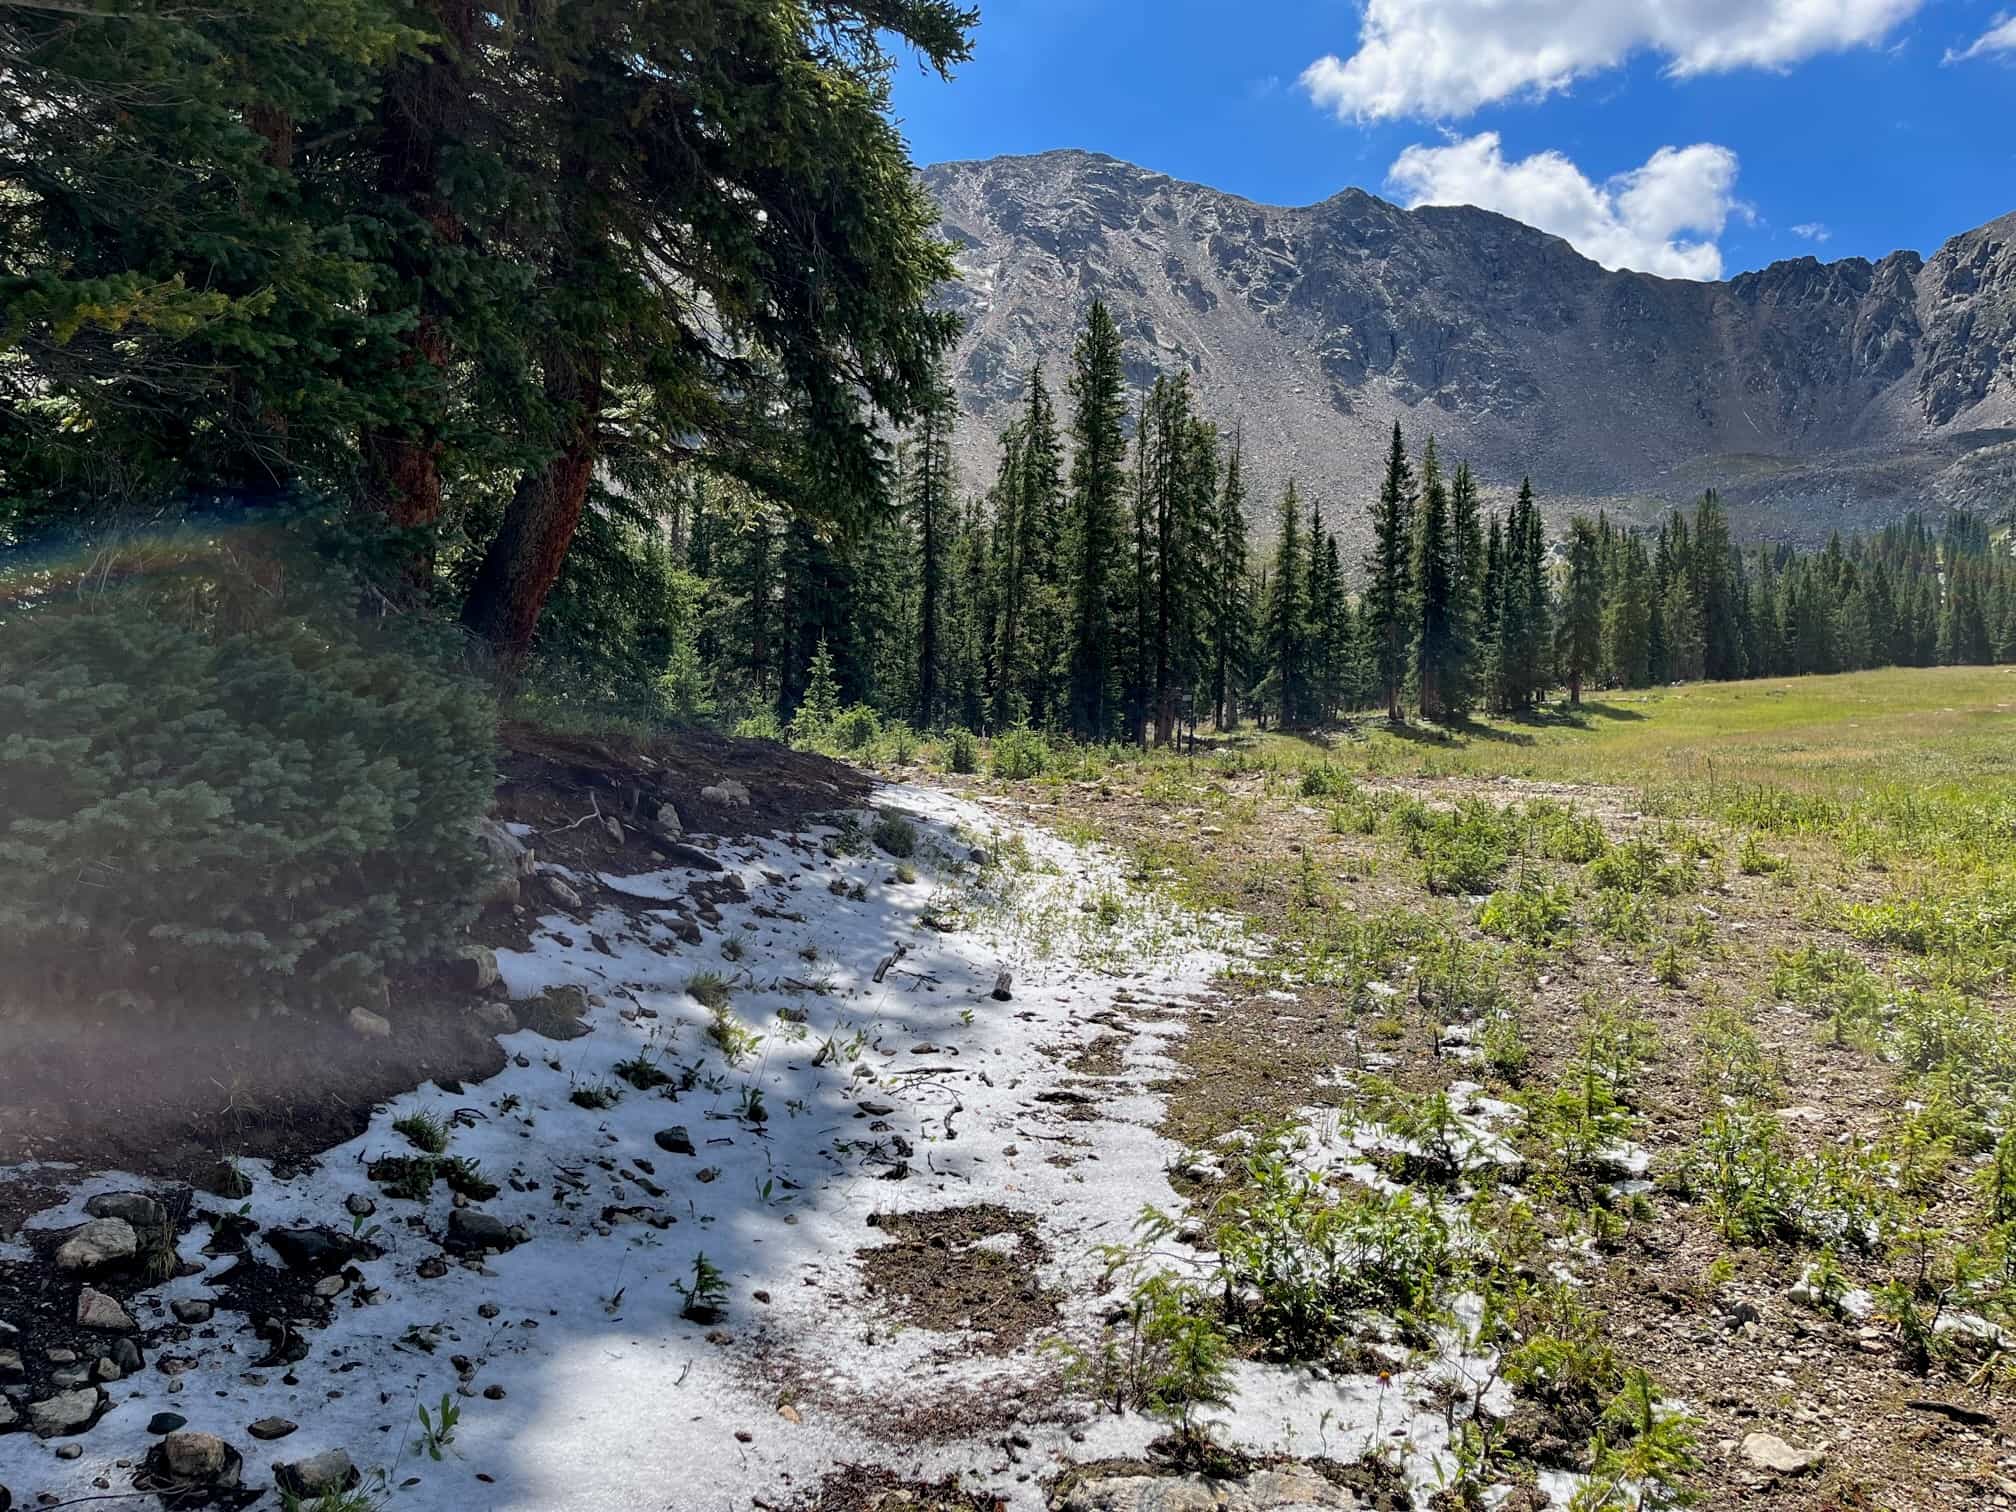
1107	585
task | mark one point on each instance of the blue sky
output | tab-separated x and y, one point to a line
1685	137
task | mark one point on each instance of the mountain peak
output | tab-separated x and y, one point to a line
1830	393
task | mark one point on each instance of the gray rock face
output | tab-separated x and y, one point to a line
1805	391
98	1245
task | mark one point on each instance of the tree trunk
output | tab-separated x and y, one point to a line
416	119
524	560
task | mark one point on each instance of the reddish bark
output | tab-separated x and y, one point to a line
524	560
417	117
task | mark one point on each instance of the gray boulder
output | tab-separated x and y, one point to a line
98	1245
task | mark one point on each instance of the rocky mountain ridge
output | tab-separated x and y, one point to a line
1814	395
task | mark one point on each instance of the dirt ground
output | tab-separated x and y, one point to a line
1709	1320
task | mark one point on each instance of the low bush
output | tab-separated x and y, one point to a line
962	753
219	788
1020	754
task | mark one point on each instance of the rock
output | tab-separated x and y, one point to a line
268	1429
8	1416
69	1451
191	1310
559	890
507	862
98	1245
494	1018
474	968
674	1141
667	822
201	1457
126	1355
369	1025
357	1205
1287	1490
11	1368
66	1412
1767	1451
137	1208
96	1310
727	793
312	1249
329	1473
165	1422
469	1230
614	828
226	1180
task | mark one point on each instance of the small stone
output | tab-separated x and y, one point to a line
268	1429
126	1355
97	1245
8	1416
469	1230
494	1017
226	1180
69	1451
559	890
1767	1451
369	1025
487	1310
493	1393
96	1310
310	1249
668	823
165	1422
191	1310
789	1413
11	1368
330	1286
329	1473
198	1457
614	827
137	1208
728	793
674	1141
357	1205
106	1370
474	968
66	1412
744	1436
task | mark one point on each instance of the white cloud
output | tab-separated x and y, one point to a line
1445	58
1999	38
1811	231
1660	218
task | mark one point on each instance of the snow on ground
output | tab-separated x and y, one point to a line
584	1384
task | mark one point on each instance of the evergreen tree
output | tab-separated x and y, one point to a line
1388	605
1231	625
1097	482
1287	615
1578	642
1439	652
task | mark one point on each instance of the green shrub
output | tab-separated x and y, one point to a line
962	753
1020	754
1534	915
896	835
1326	781
855	729
214	792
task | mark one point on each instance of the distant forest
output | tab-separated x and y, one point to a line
1107	585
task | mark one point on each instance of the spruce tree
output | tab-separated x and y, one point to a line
1388	604
1098	480
1438	651
1578	642
1231	628
1287	614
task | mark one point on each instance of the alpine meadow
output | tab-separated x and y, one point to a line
734	778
